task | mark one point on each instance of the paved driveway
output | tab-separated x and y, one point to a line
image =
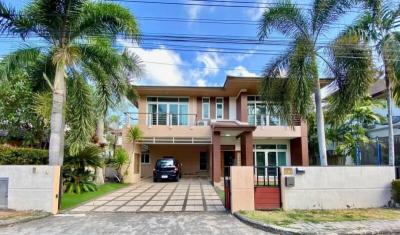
134	223
189	194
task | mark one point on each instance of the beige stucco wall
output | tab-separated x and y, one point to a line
277	132
188	155
338	187
131	176
32	187
242	188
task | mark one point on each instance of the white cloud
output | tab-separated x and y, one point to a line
194	11
256	13
241	71
201	82
161	66
211	62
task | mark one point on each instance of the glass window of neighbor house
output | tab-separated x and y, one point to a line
219	108
145	158
171	111
206	108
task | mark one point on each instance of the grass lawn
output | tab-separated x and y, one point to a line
283	218
69	200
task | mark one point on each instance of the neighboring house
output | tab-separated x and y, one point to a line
208	128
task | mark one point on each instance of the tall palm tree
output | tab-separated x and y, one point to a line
378	26
305	27
69	27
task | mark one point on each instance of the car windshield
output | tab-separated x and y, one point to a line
165	163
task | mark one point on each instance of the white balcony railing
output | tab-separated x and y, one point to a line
162	119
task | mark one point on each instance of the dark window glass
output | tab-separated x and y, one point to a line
203	161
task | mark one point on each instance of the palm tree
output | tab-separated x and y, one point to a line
293	92
378	27
134	135
78	36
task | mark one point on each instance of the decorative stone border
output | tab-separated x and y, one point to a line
34	216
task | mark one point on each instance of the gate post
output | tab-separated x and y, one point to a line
242	188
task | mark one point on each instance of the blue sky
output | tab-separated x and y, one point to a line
166	66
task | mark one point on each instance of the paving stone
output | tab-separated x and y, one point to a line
106	198
83	208
163	194
151	208
194	202
175	202
172	208
136	203
106	208
180	193
96	203
194	208
192	197
124	198
116	203
158	198
215	208
178	197
143	197
131	194
213	202
128	208
155	203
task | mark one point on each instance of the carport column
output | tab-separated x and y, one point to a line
246	148
216	157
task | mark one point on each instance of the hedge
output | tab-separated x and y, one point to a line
396	191
23	156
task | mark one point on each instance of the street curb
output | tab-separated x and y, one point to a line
23	220
266	227
281	230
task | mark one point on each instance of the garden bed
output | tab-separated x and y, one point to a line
284	218
70	200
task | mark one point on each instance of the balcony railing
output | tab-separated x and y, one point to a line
163	119
173	119
267	120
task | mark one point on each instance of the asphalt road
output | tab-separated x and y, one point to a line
134	223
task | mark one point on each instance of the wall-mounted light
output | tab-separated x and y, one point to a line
300	171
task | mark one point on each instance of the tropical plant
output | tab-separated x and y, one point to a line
78	36
78	169
348	133
346	60
134	135
119	159
378	26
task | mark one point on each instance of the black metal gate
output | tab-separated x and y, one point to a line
3	193
227	187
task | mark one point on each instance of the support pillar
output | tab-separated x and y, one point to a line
216	156
246	149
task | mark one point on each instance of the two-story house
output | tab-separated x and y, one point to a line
207	128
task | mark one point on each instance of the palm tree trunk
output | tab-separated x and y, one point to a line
388	72
57	121
100	130
319	117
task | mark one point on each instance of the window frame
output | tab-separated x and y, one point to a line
202	107
141	158
219	101
180	101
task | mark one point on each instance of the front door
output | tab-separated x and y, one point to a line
229	159
267	158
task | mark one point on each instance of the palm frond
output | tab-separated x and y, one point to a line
80	114
106	19
284	17
353	71
327	11
18	59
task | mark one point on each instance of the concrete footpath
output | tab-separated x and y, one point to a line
134	223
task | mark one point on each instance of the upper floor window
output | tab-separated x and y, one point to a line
219	107
257	113
168	111
205	108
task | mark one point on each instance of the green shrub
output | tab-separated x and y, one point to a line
396	190
23	156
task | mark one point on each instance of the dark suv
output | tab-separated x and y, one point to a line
167	168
